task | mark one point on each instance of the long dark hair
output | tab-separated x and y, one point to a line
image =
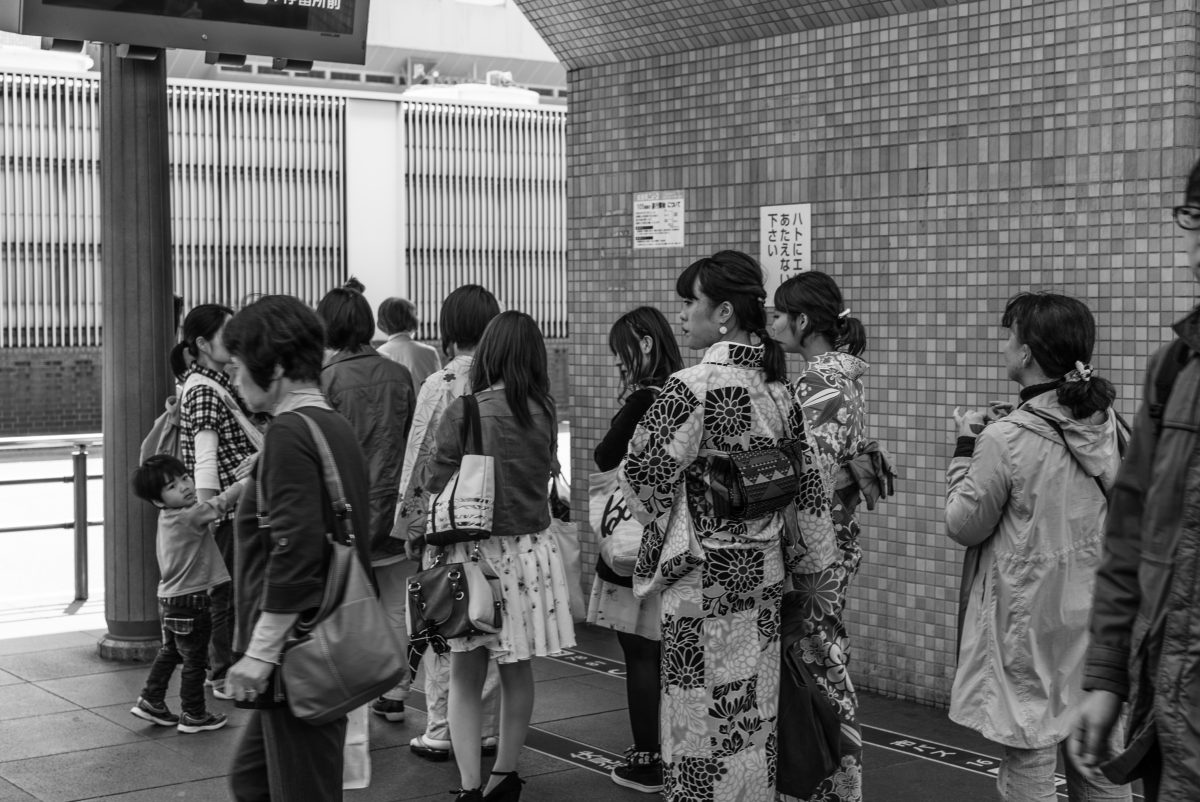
1061	331
625	342
512	350
817	296
204	321
736	278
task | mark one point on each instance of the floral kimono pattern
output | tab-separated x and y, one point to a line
831	397
720	607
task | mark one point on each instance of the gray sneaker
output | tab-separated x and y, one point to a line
208	721
158	714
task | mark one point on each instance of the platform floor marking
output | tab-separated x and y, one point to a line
903	743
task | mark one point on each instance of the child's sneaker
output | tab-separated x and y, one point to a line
208	721
158	714
390	709
642	772
218	689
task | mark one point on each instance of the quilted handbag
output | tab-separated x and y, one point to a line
346	654
453	600
462	511
753	484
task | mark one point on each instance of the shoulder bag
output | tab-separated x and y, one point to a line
346	654
753	484
452	600
462	511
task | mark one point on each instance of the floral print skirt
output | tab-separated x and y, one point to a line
826	648
615	607
720	677
534	600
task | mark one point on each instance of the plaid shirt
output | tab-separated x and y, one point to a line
201	409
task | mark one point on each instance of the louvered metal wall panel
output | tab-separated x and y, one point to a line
258	189
486	198
257	200
49	214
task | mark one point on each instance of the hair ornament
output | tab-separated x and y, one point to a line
845	313
1082	373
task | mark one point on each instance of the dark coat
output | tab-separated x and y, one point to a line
375	395
1146	614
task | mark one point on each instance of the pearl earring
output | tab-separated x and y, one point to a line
724	329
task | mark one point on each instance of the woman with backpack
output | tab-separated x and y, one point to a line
1027	494
216	436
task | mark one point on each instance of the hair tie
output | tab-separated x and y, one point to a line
844	313
1082	373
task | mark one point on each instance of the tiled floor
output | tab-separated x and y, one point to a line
66	734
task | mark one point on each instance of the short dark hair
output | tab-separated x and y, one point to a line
1060	331
349	322
397	315
277	330
465	314
149	478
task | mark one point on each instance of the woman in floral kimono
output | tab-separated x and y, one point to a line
720	580
810	320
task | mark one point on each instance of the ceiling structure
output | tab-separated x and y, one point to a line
588	33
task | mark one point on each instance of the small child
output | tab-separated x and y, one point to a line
191	565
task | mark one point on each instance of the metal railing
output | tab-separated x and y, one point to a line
79	443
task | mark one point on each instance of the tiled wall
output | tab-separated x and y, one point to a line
953	157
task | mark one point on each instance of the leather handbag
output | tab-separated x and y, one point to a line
462	511
346	654
452	600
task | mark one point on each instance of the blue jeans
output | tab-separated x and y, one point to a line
1027	775
186	627
220	652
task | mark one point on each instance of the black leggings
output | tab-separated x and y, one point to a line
643	684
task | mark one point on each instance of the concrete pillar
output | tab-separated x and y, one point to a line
136	274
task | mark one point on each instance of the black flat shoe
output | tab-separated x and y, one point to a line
507	790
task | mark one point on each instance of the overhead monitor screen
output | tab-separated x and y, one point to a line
320	16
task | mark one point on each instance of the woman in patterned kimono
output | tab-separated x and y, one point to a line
721	580
810	320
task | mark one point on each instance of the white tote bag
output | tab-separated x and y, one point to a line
613	522
462	511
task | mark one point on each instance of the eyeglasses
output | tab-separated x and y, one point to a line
1187	217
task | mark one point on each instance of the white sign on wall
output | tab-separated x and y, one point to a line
784	243
658	219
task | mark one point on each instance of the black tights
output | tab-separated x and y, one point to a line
643	672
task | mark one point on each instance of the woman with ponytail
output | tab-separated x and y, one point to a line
1028	494
811	319
720	580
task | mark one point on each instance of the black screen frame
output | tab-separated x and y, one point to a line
150	30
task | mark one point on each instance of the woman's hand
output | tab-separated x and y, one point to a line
969	423
1088	744
248	678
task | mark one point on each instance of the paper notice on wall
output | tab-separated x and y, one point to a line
658	219
785	243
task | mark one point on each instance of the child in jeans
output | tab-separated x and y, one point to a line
191	566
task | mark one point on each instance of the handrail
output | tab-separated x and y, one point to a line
79	443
